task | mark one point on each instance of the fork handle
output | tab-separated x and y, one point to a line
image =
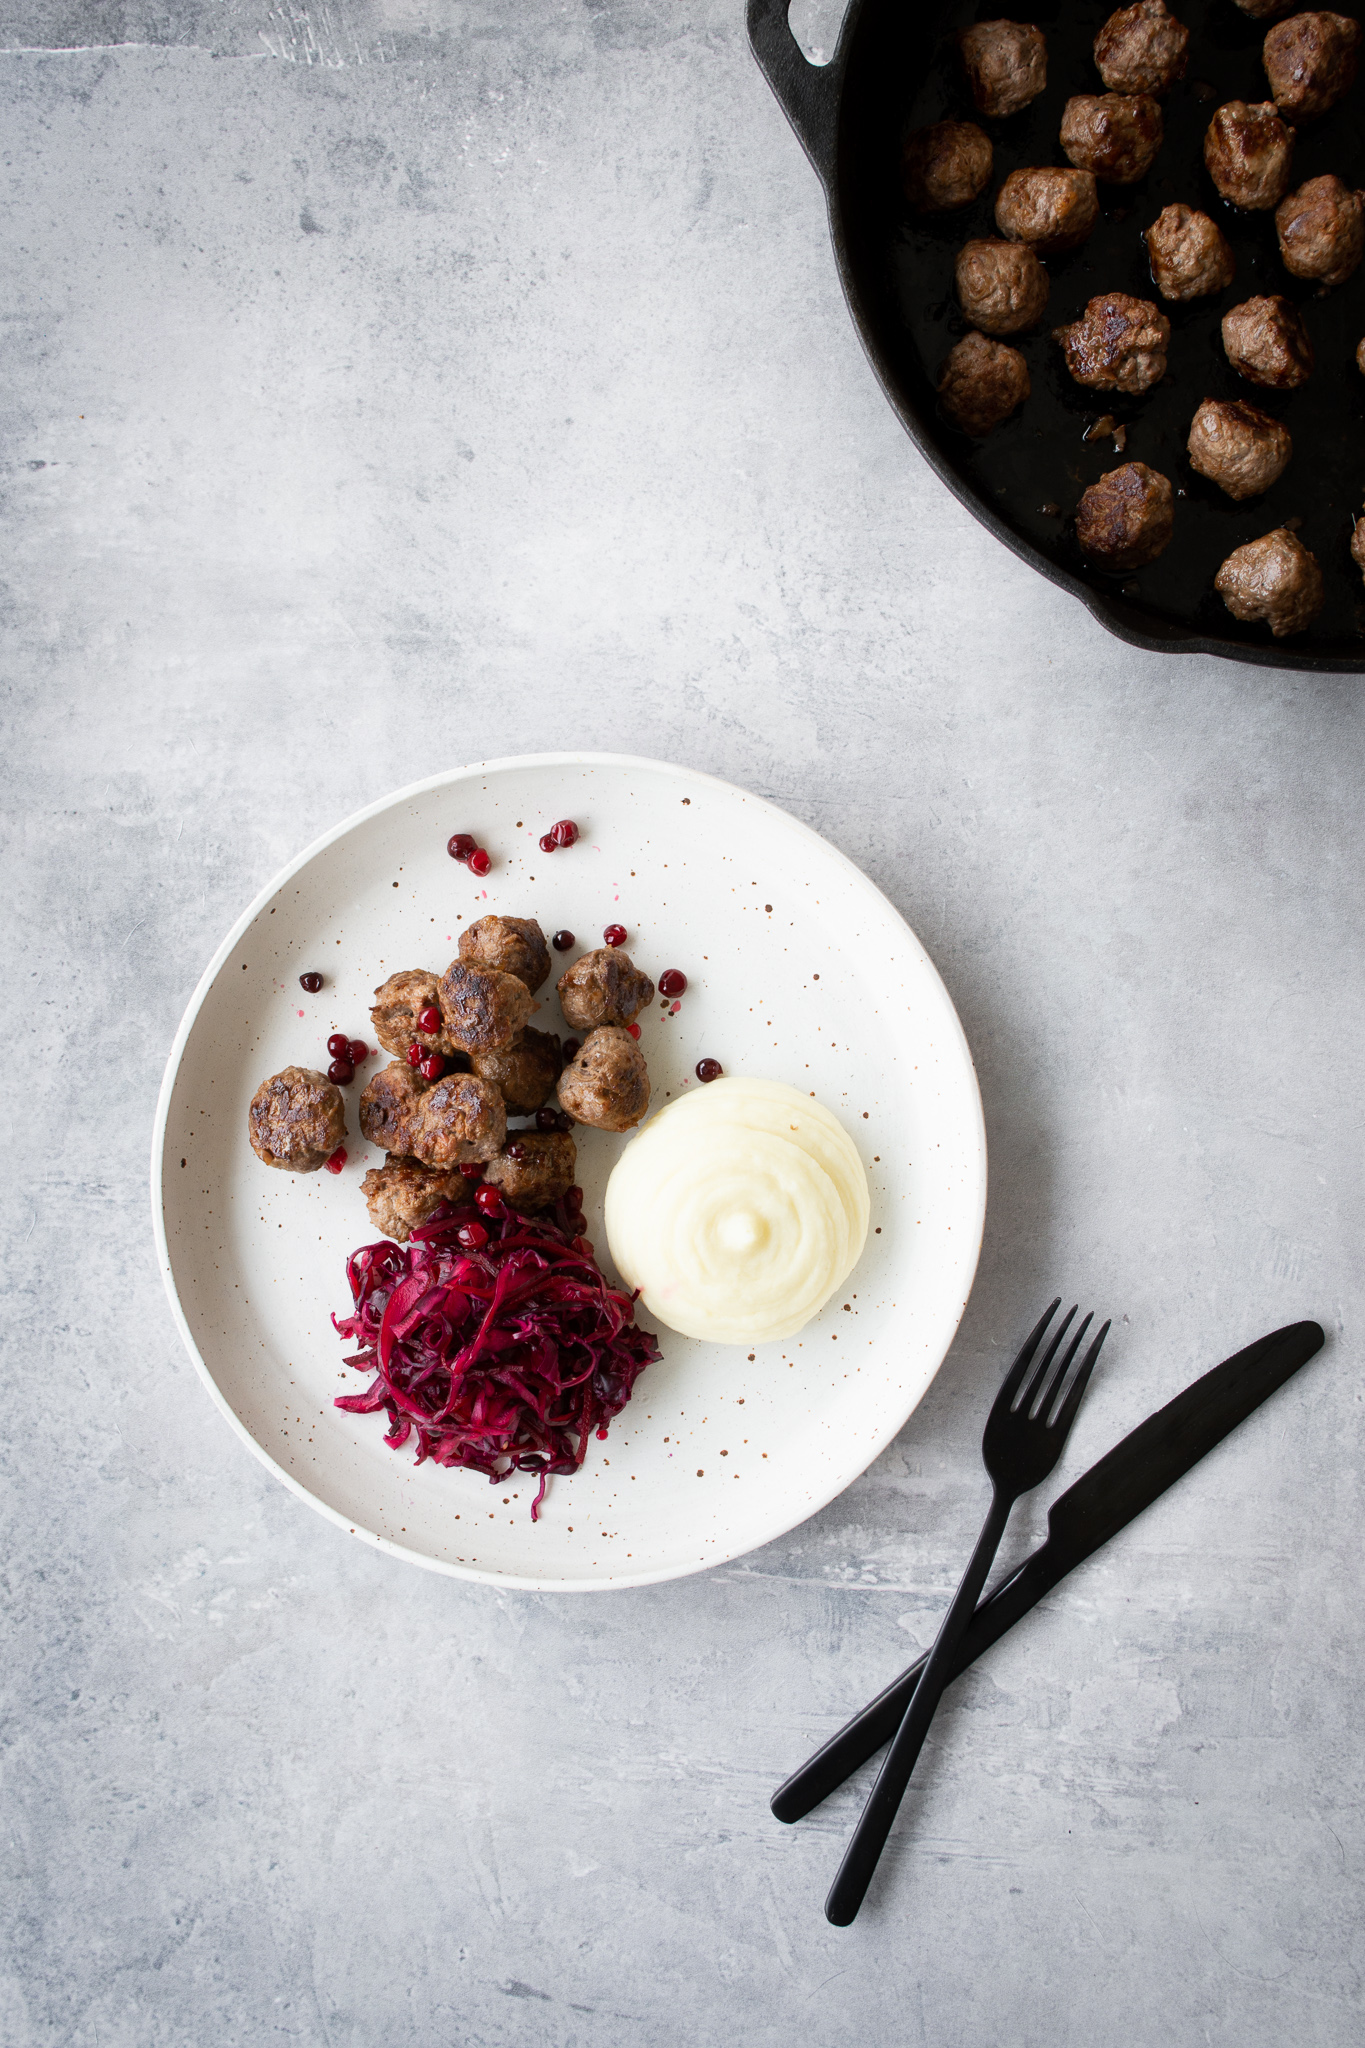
861	1857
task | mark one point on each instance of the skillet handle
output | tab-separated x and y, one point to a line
807	93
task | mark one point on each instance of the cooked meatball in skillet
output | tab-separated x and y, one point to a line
1125	520
484	1010
1142	49
525	1073
607	1084
1358	545
1310	61
533	1169
458	1120
1322	230
402	1194
1050	208
1119	344
1189	254
1263	10
1267	343
1238	447
1001	286
1112	137
296	1120
1006	65
604	987
981	383
1275	579
946	166
507	945
389	1105
398	1003
1248	151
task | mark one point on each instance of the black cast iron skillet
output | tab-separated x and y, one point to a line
895	69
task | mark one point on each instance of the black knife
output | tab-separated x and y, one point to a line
1125	1481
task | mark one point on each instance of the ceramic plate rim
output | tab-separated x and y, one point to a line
445	779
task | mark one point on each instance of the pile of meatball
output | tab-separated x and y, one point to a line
1126	519
466	1058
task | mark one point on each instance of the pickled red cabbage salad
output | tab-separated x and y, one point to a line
499	1359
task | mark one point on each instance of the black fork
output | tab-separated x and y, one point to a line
1025	1433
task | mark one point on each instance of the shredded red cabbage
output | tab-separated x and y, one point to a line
501	1360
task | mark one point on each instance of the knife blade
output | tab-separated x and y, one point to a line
1104	1500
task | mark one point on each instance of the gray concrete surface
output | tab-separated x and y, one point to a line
391	385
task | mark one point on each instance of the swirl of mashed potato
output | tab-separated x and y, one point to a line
737	1211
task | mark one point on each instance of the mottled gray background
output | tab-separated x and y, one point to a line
389	385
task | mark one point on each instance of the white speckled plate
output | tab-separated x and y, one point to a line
798	968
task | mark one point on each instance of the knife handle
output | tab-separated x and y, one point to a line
864	1735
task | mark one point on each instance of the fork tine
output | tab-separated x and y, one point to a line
1066	1414
1010	1385
1040	1372
1048	1390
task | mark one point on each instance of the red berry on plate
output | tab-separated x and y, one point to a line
634	1030
337	1160
460	845
433	1066
547	1119
357	1052
491	1202
479	862
548	842
473	1236
672	982
312	982
516	1150
429	1020
472	1169
709	1070
565	833
339	1045
569	1051
562	941
416	1054
615	935
342	1072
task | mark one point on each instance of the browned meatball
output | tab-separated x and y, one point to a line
524	1074
1189	254
507	945
1274	578
981	383
1267	343
483	1009
458	1120
1322	230
1141	49
1126	518
604	987
1001	286
946	166
1050	208
389	1106
1263	10
403	1194
1237	446
607	1085
296	1120
534	1168
1112	137
1006	65
1310	61
399	1002
1248	151
1118	345
1358	545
